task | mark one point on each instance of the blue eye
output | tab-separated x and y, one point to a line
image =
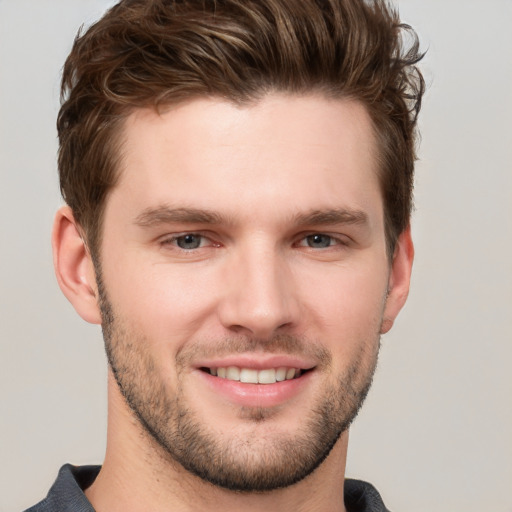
189	241
319	241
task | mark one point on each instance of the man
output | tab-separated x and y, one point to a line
238	179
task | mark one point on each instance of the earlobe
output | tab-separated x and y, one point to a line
74	268
399	279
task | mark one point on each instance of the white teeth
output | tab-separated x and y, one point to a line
290	373
280	374
267	376
250	376
253	376
233	373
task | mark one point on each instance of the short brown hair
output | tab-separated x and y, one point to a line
151	53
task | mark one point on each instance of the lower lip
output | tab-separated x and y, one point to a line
257	395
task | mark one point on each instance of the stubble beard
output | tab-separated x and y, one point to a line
259	462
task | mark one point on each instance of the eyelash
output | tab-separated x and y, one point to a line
333	240
173	240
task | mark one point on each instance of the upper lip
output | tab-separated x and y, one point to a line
258	362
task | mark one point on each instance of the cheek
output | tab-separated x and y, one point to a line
165	302
347	309
351	290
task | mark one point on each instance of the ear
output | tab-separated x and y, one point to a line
73	266
399	279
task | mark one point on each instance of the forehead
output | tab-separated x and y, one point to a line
300	152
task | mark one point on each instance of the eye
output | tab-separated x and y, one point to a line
187	241
319	241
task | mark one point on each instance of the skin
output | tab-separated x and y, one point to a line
261	170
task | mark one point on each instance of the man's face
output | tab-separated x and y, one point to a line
246	244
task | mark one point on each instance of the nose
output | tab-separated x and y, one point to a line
259	297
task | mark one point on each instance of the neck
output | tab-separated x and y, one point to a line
137	475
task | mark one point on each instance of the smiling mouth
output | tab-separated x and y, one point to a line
254	376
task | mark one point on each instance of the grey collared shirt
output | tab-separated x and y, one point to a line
67	493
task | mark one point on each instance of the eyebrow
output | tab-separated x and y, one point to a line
151	217
166	215
332	216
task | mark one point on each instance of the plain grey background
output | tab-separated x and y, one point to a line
436	431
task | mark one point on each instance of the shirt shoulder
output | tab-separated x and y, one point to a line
362	497
67	493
